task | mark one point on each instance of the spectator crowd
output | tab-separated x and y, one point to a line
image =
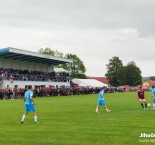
18	93
26	75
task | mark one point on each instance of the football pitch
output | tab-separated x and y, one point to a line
72	120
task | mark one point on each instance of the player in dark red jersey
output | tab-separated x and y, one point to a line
141	98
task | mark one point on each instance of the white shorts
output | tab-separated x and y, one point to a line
142	100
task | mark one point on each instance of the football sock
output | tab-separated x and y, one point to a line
142	105
145	105
35	118
23	117
153	106
97	109
106	108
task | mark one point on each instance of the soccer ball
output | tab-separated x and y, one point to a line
148	105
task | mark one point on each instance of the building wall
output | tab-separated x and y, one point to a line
22	84
25	65
7	63
16	65
1	62
50	68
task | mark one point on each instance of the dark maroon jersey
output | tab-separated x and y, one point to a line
140	94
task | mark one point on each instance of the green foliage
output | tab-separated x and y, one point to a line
132	74
118	74
48	51
77	68
72	121
115	71
81	76
145	78
152	78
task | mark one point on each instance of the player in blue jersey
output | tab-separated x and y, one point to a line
101	101
29	104
153	94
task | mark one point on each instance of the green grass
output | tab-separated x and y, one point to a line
72	120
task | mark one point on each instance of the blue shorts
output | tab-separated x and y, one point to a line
101	102
30	108
154	100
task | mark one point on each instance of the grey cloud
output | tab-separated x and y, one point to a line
98	29
90	14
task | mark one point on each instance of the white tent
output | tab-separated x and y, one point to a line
88	82
82	84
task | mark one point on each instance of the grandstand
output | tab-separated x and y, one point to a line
20	68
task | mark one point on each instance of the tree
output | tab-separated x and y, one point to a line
132	74
115	71
48	51
152	78
76	68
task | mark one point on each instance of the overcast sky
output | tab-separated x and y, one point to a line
94	30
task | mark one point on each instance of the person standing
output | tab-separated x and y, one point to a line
29	104
141	98
101	101
153	95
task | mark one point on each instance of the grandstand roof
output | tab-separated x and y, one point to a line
23	55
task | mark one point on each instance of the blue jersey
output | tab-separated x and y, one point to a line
101	95
153	92
27	96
